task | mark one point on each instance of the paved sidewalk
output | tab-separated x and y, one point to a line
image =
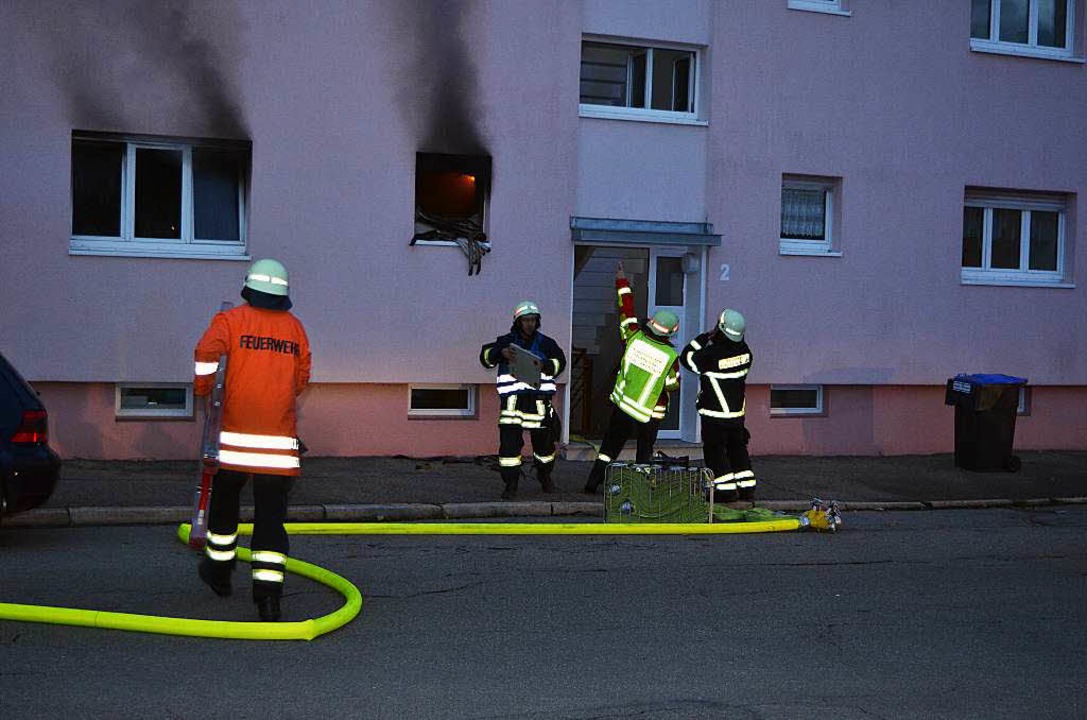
394	488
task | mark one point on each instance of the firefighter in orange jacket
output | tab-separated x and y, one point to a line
268	366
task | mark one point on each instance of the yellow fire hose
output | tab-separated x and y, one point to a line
498	528
314	627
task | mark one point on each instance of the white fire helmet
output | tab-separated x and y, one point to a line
732	324
267	276
526	307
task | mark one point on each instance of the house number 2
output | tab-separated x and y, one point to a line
725	270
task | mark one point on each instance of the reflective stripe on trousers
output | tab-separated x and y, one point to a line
268	566
221	548
725	482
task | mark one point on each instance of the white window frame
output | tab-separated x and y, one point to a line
987	275
830	245
469	411
818	410
187	246
648	114
1023	406
830	7
1031	48
150	412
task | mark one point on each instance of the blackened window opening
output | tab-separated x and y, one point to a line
451	193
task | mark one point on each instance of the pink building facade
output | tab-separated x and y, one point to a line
890	193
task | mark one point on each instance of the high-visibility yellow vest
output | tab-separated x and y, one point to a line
642	376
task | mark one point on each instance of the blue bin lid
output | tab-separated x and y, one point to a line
991	379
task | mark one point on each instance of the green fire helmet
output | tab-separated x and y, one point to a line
664	323
732	324
267	276
526	307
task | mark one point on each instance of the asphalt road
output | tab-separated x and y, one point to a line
942	614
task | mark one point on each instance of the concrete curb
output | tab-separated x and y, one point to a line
1070	501
156	515
93	516
379	513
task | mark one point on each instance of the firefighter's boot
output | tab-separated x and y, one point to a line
723	497
216	575
543	472
596	476
268	608
510	477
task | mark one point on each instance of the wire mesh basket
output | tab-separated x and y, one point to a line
655	493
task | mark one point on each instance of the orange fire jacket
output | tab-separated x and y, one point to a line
268	366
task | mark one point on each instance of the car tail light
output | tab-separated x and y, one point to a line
33	429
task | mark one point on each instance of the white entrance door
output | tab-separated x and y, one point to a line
668	291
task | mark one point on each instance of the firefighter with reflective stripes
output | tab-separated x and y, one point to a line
648	371
268	366
524	406
722	359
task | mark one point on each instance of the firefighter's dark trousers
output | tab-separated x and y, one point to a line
620	427
724	447
270	543
519	413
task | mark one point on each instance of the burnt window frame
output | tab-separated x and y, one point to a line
126	242
480	166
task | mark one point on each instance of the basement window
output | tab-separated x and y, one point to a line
451	195
791	400
143	196
154	400
442	401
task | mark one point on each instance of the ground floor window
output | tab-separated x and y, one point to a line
1033	28
1014	238
809	208
833	7
148	196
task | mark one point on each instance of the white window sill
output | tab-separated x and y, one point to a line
796	250
435	243
130	414
192	251
1004	280
1029	51
818	7
607	112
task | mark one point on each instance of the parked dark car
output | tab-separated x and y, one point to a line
28	466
